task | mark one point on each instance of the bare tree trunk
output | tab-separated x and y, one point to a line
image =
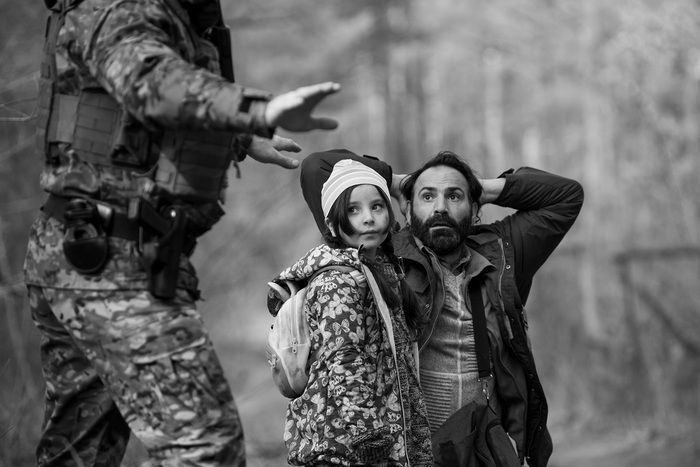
381	68
592	176
493	109
416	92
532	147
689	204
14	329
399	117
645	310
415	100
374	104
435	109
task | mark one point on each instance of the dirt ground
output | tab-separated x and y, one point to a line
641	449
262	411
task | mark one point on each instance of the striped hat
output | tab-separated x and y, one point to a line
347	173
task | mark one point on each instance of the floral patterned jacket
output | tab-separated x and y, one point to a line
360	406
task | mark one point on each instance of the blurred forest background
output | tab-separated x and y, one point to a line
607	93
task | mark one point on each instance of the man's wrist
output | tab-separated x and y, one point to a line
258	121
492	189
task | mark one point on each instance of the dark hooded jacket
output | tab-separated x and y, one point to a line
516	246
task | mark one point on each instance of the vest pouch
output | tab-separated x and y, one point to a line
86	248
193	164
85	244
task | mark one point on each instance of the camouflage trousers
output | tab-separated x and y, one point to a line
121	362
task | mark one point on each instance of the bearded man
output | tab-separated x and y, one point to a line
444	249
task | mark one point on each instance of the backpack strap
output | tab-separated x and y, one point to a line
382	307
481	339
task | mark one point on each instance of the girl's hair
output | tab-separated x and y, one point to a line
338	218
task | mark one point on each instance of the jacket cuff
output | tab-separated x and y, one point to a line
258	125
506	188
242	110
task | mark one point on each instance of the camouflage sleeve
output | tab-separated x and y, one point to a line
138	51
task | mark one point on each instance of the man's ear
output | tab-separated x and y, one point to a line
476	219
407	211
330	227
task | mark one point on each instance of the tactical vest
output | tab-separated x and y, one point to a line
190	165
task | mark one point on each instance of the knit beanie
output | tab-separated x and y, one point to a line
348	173
316	168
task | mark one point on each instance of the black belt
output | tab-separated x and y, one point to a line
116	224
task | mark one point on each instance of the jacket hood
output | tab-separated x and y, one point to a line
303	269
317	258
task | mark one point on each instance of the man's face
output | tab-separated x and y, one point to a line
441	212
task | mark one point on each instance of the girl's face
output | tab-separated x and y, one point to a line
369	217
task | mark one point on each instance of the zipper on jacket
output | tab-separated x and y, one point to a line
403	410
388	327
441	286
501	271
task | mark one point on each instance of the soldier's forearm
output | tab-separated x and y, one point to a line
143	70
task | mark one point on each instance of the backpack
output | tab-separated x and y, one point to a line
289	339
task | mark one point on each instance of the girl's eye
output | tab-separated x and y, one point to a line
352	210
378	206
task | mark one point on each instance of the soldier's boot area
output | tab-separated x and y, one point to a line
152	359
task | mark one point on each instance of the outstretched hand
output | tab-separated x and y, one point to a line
267	151
292	110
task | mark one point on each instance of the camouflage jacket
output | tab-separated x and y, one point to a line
157	66
155	63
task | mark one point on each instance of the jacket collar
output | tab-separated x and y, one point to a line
320	257
410	248
405	247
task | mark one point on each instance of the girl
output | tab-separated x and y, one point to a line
361	405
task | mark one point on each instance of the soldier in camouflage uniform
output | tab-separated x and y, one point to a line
138	128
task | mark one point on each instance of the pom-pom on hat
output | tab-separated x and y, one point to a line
348	173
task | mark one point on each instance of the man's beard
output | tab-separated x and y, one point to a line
444	240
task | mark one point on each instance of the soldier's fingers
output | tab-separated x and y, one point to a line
324	123
285	144
319	90
283	161
269	155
